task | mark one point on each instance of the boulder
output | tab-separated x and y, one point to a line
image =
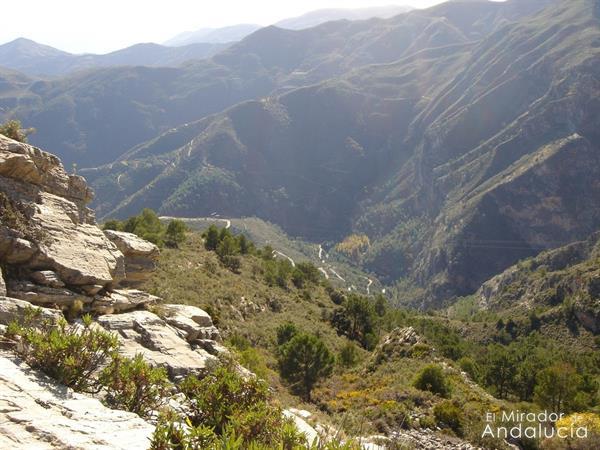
140	256
196	323
44	295
13	309
161	345
38	413
48	226
47	278
122	300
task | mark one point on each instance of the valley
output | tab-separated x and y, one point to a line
356	229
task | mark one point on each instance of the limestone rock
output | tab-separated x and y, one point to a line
122	300
53	229
14	309
299	416
76	250
140	256
47	278
160	344
43	295
38	413
31	165
196	323
15	250
398	343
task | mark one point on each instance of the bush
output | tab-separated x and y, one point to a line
175	233
148	226
13	129
348	356
71	354
356	320
431	378
448	415
285	332
303	361
231	405
134	385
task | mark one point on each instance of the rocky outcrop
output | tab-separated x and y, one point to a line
143	332
45	225
37	413
122	300
12	309
55	256
398	343
140	256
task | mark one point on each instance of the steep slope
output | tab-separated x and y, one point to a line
301	160
134	105
506	161
566	280
456	161
35	59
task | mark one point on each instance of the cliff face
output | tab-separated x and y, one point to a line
53	255
567	277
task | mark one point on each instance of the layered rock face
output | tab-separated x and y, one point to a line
38	413
47	234
140	256
53	255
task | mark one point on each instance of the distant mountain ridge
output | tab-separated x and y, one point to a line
313	18
221	35
35	59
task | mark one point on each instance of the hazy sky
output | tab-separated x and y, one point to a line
100	26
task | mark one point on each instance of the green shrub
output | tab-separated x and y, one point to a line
229	404
348	355
175	233
14	130
285	332
431	378
134	385
470	367
303	361
448	415
71	354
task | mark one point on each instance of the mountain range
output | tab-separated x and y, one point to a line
460	139
310	19
35	59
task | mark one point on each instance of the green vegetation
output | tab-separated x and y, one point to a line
303	361
14	130
148	226
431	378
134	385
364	392
71	354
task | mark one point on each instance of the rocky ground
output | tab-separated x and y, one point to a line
53	255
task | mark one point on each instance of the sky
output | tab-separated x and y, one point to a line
100	26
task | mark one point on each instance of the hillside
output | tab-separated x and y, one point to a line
74	297
134	105
488	156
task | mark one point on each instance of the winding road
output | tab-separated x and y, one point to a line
198	219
